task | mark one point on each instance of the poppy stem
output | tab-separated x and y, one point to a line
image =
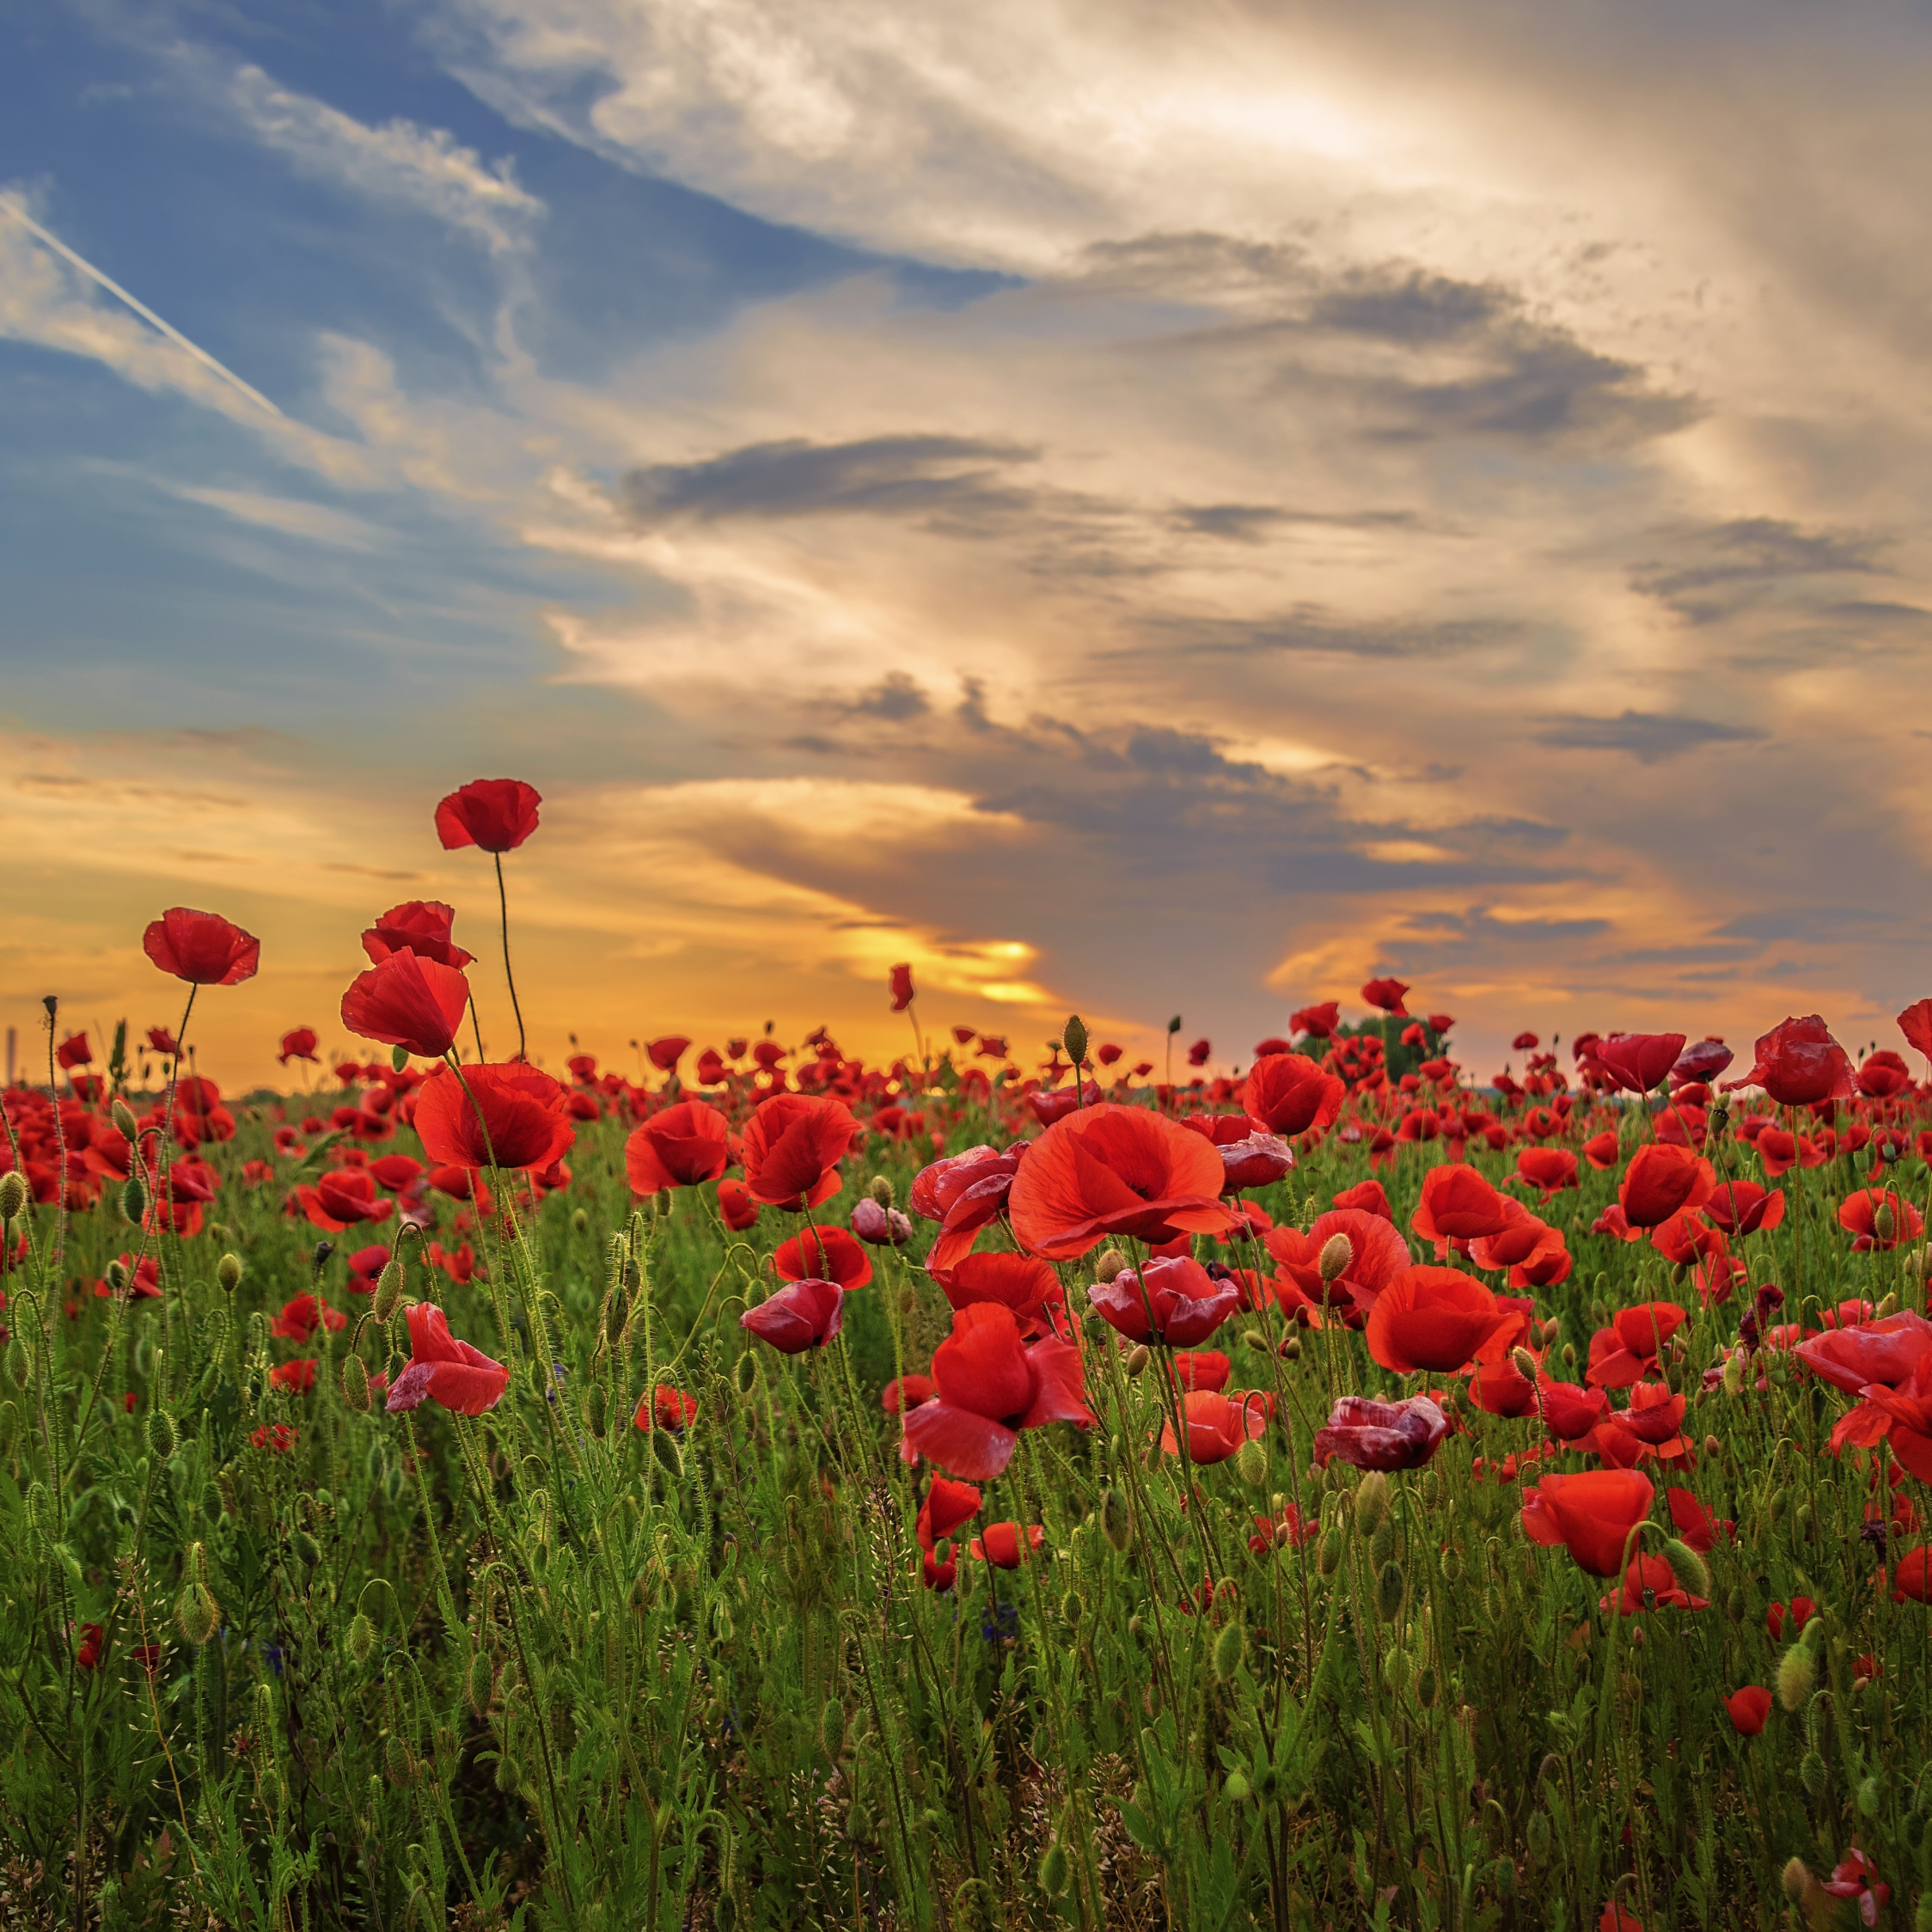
503	902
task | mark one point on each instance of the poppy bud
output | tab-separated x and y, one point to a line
1328	1561
123	1120
1111	1262
1053	1875
1888	1306
1569	1355
1883	1224
479	1683
1390	1589
510	1774
1071	1608
831	1729
13	1194
195	1612
1395	1671
597	1410
1551	1770
389	1288
1452	1563
362	1638
1797	1672
1371	1502
745	1375
305	1547
1230	1647
1291	1349
1252	1338
133	1199
396	1761
1074	1036
1237	1789
1871	1797
580	1222
1137	1360
1688	1568
1735	1602
1796	1880
1115	1523
1524	1363
881	1190
1251	1464
1813	1637
355	1384
1537	1833
1810	1773
665	1448
1712	1447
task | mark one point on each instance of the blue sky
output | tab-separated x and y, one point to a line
1128	512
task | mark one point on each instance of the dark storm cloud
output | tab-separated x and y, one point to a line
1648	736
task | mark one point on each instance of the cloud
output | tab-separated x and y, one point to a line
1649	736
316	522
1717	571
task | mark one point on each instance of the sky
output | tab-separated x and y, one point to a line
1132	510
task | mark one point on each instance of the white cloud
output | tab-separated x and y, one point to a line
315	522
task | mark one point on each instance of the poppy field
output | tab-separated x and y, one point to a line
1006	1486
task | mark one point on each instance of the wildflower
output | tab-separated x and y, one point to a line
878	1225
945	1506
1548	1169
1385	1435
1217	1427
497	1115
903	993
1287	1094
1662	1180
1802	1611
1855	1877
452	1373
1437	1319
963	1193
418	926
1694	1523
1023	1283
1172	1301
802	1315
497	814
302	1317
1457	1204
1592	1514
1001	1545
343	1200
990	1389
90	1647
1120	1171
410	1002
1748	1709
1317	1021
1386	997
823	1255
1739	1208
1913	1576
793	1146
202	948
1652	1576
1885	1351
1638	1063
680	1147
1620	1353
671	1409
1798	1064
278	1437
298	1377
736	1206
1879	1219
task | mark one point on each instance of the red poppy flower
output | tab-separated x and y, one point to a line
1748	1709
1884	1074
802	1315
497	814
1879	1218
1020	1282
1886	1352
1653	1577
907	1392
1370	1197
668	1409
1521	1236
1800	1064
734	1204
417	925
1590	1515
1660	1180
990	1389
1654	1414
878	1227
823	1255
1377	1254
963	1193
408	1002
901	989
1905	1414
1600	1150
793	1143
1570	1413
1001	1546
1217	1428
298	1043
1287	1094
680	1147
1457	1204
1437	1320
202	948
1620	1353
1638	1063
450	1372
498	1115
1695	1524
1320	1020
665	1053
1912	1577
1386	996
1741	1207
1257	1160
90	1647
74	1051
302	1317
1855	1876
1499	1387
1385	1435
1200	1369
1198	1053
1549	1170
1173	1301
1113	1170
343	1199
299	1377
945	1506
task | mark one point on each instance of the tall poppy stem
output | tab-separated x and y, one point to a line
503	902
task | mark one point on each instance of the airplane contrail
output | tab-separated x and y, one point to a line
140	308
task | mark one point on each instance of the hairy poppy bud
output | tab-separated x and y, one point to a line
745	1375
1797	1672
133	1200
596	1410
388	1289
665	1448
1889	1305
1053	1875
1253	1338
1230	1647
510	1774
1871	1796
1569	1355
123	1117
1396	1667
1524	1363
1796	1879
228	1272
1712	1446
161	1437
1536	1832
1814	1633
1138	1357
1251	1464
1291	1349
1883	1224
195	1612
1371	1502
397	1761
361	1638
13	1194
1451	1564
1116	1523
1111	1262
1551	1770
355	1384
479	1683
1328	1561
831	1729
1074	1036
305	1547
580	1222
881	1190
1390	1587
1688	1568
1337	1253
1810	1773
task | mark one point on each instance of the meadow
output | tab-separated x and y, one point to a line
1008	1487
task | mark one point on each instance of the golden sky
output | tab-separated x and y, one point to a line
1134	510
